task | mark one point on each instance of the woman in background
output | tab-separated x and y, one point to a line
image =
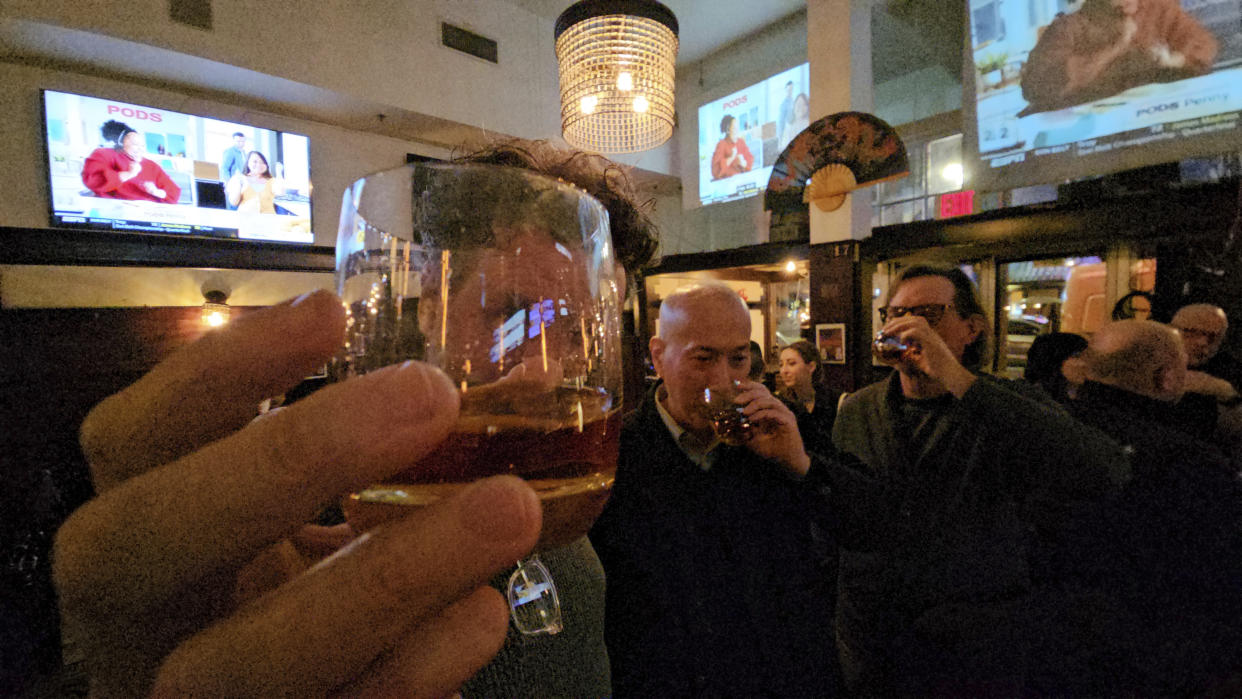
802	389
799	119
120	171
732	156
255	189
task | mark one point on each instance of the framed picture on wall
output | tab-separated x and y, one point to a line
830	339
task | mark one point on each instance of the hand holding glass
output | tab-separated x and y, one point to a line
504	280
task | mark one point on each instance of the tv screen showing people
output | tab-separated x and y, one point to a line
742	134
127	167
1070	88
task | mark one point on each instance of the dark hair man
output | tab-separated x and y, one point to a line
938	598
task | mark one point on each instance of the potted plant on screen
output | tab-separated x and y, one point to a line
990	66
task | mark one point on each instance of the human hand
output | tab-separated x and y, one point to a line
134	170
153	190
192	494
928	354
1202	382
774	428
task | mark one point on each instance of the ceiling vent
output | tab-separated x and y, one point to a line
195	13
468	42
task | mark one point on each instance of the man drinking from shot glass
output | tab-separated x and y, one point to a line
717	582
955	590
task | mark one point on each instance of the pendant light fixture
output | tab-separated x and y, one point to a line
616	71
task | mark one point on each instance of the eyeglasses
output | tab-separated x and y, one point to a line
931	312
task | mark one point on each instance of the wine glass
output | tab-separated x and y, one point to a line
505	280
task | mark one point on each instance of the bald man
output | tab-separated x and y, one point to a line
1203	328
717	583
1176	529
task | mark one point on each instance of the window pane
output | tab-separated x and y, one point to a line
1060	294
944	165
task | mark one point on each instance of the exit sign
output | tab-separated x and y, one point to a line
957	204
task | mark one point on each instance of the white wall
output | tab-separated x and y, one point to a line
338	156
741	222
382	51
918	95
45	286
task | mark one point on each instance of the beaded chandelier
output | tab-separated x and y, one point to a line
616	71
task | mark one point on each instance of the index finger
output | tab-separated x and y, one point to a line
210	388
218	507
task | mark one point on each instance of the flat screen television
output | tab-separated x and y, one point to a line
1064	89
742	134
137	168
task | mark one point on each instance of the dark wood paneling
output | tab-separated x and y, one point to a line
57	364
55	246
1051	228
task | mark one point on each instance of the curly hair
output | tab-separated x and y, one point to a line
634	236
114	131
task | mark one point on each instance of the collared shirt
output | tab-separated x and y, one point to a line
703	455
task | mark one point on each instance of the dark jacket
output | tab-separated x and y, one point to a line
946	588
1176	530
816	427
717	585
1224	366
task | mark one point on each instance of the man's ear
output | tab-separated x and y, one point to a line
976	323
656	348
1167	381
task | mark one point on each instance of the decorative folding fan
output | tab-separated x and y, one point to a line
831	158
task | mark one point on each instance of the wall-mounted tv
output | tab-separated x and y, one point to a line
742	134
1064	89
127	167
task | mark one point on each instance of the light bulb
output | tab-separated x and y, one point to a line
588	104
215	319
953	173
625	81
791	267
641	104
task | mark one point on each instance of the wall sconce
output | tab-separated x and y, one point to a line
616	72
215	310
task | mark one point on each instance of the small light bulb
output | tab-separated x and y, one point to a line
641	104
791	267
215	319
953	173
625	81
588	104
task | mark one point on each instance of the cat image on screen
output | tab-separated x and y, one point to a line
1109	46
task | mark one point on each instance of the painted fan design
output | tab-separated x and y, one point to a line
831	158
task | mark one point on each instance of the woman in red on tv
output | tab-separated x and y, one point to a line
732	157
121	172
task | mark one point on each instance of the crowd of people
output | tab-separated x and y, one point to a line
941	532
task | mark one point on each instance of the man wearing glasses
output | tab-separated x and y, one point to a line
1212	407
971	476
1203	328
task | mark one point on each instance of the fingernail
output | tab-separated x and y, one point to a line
298	301
501	508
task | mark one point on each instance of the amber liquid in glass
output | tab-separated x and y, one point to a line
570	462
